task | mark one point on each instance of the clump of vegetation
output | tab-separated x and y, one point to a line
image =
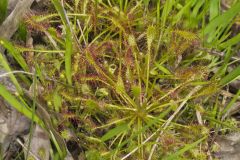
131	79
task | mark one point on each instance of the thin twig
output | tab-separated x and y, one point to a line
13	72
81	30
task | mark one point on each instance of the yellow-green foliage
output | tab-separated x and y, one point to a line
121	75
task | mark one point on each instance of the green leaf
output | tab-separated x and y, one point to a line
5	65
214	8
231	42
183	10
22	32
68	54
15	53
18	106
166	10
146	2
221	21
230	104
184	149
68	39
115	131
223	68
163	69
234	74
3	10
197	8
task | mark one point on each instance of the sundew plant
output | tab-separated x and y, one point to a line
130	79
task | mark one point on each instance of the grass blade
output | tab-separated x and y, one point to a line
15	53
214	9
166	10
230	77
231	42
3	9
115	131
230	104
68	40
18	106
221	21
5	65
184	149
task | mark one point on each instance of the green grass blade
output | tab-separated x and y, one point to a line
214	9
158	10
68	40
183	11
166	10
3	10
234	74
56	143
34	84
223	68
68	54
221	21
5	65
184	149
231	42
115	131
18	106
230	104
163	69
15	53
